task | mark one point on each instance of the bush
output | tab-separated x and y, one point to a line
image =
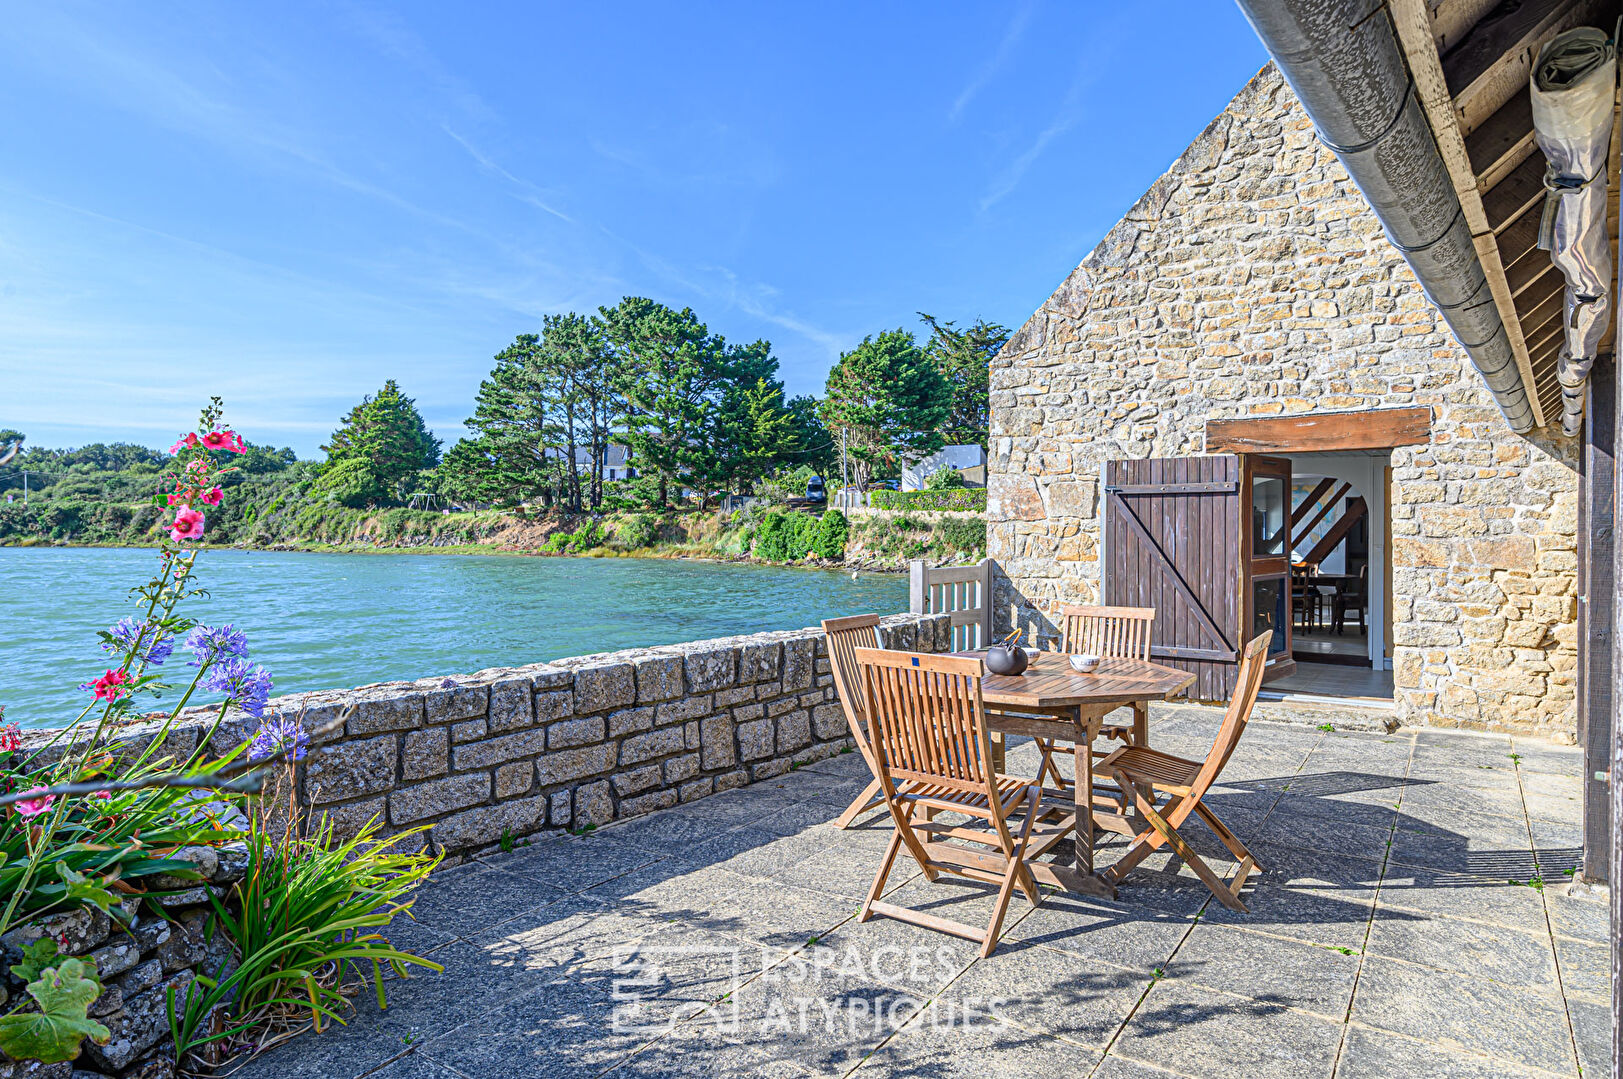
641	530
944	479
784	537
829	541
964	498
350	482
966	534
589	535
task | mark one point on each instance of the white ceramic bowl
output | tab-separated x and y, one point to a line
1085	663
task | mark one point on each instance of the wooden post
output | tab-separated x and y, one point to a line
1607	385
1596	554
918	597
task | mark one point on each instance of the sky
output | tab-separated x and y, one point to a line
287	204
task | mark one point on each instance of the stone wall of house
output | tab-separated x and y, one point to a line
1252	279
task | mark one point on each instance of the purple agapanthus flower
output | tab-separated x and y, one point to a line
156	645
209	643
246	685
278	734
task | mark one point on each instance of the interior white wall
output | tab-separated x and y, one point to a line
1368	478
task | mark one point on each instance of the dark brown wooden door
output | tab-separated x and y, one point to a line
1174	531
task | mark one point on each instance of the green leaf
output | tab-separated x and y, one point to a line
36	957
85	890
54	1033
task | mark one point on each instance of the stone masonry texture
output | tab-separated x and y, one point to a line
552	746
1253	280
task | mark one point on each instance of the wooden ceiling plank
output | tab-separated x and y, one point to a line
1502	143
1451	20
1412	21
1510	198
1527	273
1492	63
1519	239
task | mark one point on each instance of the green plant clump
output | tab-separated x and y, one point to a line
785	537
965	498
829	540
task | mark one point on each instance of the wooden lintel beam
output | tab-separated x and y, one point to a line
1310	501
1320	432
1412	21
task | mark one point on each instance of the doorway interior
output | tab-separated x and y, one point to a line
1340	576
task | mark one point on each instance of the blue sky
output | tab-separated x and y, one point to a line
288	204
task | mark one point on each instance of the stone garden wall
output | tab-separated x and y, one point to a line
561	745
1253	280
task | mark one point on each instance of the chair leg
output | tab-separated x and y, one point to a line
878	888
872	796
1017	873
1048	768
1226	895
1230	840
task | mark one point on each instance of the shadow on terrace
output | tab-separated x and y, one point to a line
1408	918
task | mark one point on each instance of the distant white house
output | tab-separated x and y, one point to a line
615	457
970	461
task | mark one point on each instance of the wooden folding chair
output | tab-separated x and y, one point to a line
845	636
934	754
1145	774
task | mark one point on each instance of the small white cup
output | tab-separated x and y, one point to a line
1085	663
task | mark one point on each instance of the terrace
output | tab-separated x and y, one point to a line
1411	918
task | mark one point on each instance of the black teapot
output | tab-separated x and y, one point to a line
1006	658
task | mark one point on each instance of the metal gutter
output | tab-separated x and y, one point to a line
1342	59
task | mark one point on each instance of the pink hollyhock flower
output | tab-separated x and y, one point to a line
176	498
33	807
212	496
237	444
11	738
197	464
217	440
185	442
110	686
188	524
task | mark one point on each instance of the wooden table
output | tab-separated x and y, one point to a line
1050	700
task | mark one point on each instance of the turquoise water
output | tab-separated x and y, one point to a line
324	621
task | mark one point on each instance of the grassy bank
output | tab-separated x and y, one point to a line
278	521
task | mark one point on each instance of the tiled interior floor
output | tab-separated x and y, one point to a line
1334	680
1410	921
1350	642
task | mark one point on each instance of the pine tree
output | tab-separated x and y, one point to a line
381	443
889	398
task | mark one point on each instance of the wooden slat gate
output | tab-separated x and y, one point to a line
963	591
1172	542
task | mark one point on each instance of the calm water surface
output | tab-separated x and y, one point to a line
323	621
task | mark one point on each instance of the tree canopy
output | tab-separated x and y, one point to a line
890	399
964	358
380	445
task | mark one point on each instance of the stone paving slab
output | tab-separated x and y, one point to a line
1409	919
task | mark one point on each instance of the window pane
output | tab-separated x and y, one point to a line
1269	597
1267	517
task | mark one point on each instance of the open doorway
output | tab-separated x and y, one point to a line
1340	577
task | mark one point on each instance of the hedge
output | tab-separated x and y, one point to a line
964	498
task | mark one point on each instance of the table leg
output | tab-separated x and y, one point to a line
1141	723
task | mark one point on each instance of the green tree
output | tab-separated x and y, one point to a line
964	358
675	376
889	398
387	436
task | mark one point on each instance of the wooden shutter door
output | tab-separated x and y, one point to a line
1173	529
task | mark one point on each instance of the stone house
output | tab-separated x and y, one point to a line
1253	282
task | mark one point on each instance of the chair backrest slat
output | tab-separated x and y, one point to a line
926	719
1237	715
1115	632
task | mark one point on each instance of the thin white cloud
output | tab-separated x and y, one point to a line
1073	107
1005	49
527	193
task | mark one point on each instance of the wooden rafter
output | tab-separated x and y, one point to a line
1338	532
1413	22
